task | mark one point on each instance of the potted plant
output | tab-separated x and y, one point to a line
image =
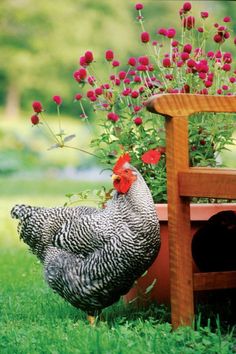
188	60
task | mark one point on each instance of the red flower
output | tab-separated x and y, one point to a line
78	97
139	6
227	19
122	75
191	63
37	106
145	37
143	60
88	57
162	31
189	22
218	38
166	62
226	67
171	32
138	120
115	63
113	117
132	61
82	61
80	75
57	100
204	14
134	94
184	56
187	6
98	91
109	55
35	119
187	48
200	29
151	156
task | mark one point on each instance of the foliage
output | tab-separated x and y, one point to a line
193	63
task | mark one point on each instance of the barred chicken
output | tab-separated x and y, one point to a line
93	256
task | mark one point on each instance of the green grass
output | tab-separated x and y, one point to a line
35	320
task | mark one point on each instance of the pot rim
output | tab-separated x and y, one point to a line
198	211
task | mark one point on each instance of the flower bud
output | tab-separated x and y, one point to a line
109	55
145	37
57	100
37	106
138	120
34	119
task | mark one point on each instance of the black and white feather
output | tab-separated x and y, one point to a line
93	256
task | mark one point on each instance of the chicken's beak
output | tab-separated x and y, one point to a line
115	177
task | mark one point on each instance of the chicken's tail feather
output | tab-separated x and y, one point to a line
21	212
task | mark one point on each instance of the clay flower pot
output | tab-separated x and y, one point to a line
160	292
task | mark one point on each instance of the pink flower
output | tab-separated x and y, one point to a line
134	94
162	31
113	116
219	91
78	97
187	48
122	75
88	57
143	60
226	35
191	63
225	87
138	120
204	14
200	29
109	55
210	54
82	61
232	80
98	91
37	106
127	80
137	79
139	6
227	19
184	56
115	63
145	37
171	32
34	119
175	43
80	75
91	80
226	67
57	100
208	83
137	108
187	6
218	38
166	62
151	156
90	93
189	22
132	61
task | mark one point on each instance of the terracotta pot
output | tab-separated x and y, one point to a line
160	268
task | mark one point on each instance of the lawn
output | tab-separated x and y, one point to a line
35	320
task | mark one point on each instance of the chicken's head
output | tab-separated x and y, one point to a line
123	174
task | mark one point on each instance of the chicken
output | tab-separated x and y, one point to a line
93	256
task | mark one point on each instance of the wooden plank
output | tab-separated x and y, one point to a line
214	280
208	182
182	310
184	104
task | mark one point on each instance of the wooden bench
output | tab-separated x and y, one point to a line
184	182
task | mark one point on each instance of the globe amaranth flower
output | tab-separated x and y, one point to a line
113	116
139	6
151	156
57	100
204	14
80	75
189	22
138	120
145	37
187	48
227	19
78	97
88	57
171	32
166	62
162	31
37	106
34	119
115	63
132	61
109	55
187	6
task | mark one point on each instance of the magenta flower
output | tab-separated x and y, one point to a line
98	91
138	120
109	55
143	60
151	156
184	56
139	6
227	19
88	57
191	63
34	119
115	63
189	22
166	62
175	43
145	37
200	29
132	61
171	32
113	117
187	48
162	31
187	6
122	75
57	100
204	14
226	67
80	75
37	106
134	94
78	97
82	61
218	38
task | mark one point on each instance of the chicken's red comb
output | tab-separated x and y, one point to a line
121	161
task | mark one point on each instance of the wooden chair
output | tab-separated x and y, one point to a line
184	182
